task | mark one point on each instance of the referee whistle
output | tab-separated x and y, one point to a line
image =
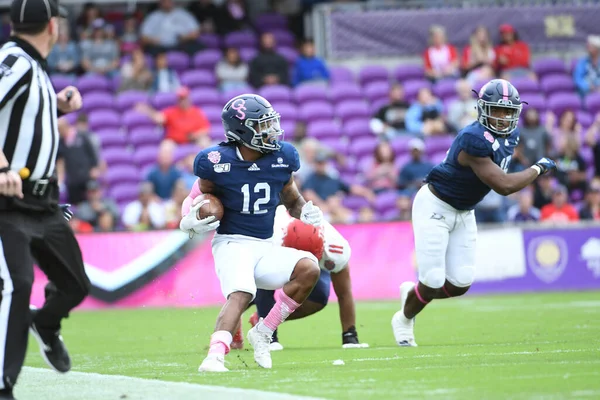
24	173
69	95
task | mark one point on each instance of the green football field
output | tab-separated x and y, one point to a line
542	346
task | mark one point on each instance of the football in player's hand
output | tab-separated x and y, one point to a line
212	207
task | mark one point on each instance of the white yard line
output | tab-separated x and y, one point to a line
44	384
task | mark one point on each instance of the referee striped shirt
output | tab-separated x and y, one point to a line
28	110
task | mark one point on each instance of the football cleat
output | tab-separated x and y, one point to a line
52	347
213	363
261	342
253	319
275	346
402	327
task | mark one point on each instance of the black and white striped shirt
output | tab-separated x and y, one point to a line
28	110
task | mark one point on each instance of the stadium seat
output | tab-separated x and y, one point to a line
445	88
561	102
230	94
592	103
270	22
128	99
335	145
162	100
178	60
90	83
357	127
132	119
545	66
183	151
400	144
124	193
438	143
213	113
411	88
275	93
345	91
211	40
146	155
248	53
316	111
117	156
355	203
284	38
323	129
198	78
205	96
525	85
555	83
385	201
363	146
372	73
240	39
121	174
288	111
537	102
207	59
352	109
289	53
98	101
104	119
61	81
145	136
111	138
310	92
339	74
408	72
376	105
377	90
585	119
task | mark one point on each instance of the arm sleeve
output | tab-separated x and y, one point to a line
15	76
473	145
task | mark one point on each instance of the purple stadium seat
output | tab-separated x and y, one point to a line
289	112
390	215
411	88
240	39
97	101
376	105
163	100
104	119
555	83
445	88
434	144
207	59
409	72
372	73
585	119
363	146
124	193
132	119
316	111
324	129
592	102
178	60
338	74
276	93
356	128
248	53
114	138
345	91
587	154
206	96
335	144
537	102
355	202
290	54
145	136
146	155
91	83
211	40
385	201
213	113
216	133
525	85
308	92
401	160
377	90
185	150
269	22
438	157
284	38
198	78
545	66
560	102
61	81
128	99
121	174
288	128
352	109
400	144
230	94
116	156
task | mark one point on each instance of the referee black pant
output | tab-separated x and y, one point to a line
47	238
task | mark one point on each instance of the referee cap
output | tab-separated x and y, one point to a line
35	11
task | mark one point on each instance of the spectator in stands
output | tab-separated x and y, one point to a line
165	79
80	226
512	55
299	133
183	122
164	174
106	222
587	71
440	58
308	152
83	128
232	72
571	167
96	205
309	67
382	175
592	140
518	161
490	209
65	57
326	191
135	74
462	111
425	116
173	205
559	210
390	121
591	208
567	127
187	171
524	211
534	137
146	212
86	19
268	67
77	162
130	39
404	206
101	56
170	28
365	214
206	13
233	16
478	56
413	172
543	191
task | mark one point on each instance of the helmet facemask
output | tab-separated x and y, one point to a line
267	132
500	118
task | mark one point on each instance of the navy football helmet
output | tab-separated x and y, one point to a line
499	107
249	119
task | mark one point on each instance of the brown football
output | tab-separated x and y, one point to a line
213	207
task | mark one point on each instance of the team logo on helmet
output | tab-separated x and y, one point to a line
239	106
214	157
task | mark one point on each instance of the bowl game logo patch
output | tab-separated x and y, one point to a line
214	157
487	135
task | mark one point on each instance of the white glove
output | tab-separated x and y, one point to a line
311	214
192	225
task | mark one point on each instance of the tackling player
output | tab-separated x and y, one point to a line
333	253
249	174
443	220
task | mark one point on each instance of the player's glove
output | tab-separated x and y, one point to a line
311	214
68	214
350	340
544	165
192	225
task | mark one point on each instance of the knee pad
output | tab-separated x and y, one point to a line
434	278
320	293
462	277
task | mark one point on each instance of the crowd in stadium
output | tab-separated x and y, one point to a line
154	84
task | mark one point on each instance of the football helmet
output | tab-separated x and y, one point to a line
499	107
249	119
301	236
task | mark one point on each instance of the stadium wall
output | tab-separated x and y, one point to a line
166	269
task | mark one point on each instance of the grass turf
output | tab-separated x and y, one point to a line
496	347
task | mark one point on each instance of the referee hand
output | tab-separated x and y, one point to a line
11	184
73	102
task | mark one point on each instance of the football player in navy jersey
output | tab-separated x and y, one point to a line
250	173
443	220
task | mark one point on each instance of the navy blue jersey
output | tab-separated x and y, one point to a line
249	190
458	185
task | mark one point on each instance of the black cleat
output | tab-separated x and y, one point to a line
52	348
6	394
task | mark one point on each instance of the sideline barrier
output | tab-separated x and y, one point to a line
166	269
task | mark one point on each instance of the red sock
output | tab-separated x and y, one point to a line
220	342
282	309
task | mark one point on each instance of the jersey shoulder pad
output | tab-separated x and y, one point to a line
291	156
476	142
206	159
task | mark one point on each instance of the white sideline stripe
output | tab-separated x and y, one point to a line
7	291
44	384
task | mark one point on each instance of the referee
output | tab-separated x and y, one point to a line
32	226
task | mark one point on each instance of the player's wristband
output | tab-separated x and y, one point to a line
537	169
4	170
